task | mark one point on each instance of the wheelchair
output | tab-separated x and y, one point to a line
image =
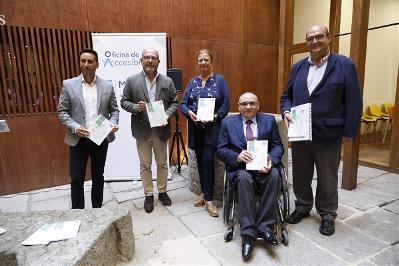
230	200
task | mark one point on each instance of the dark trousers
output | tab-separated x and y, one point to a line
206	164
254	221
306	155
78	157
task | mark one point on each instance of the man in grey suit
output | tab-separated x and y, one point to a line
82	99
141	88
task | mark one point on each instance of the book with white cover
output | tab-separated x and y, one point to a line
259	151
100	129
300	129
206	109
156	114
53	232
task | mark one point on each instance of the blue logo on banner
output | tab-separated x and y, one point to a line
121	59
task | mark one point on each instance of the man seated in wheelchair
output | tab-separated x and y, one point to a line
232	150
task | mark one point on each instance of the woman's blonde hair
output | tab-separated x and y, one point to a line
206	51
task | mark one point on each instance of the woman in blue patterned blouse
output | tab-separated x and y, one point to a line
203	135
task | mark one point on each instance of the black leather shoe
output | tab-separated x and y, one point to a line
327	227
149	203
248	244
269	238
296	217
164	198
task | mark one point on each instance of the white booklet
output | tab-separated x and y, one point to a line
301	126
156	114
100	129
259	151
53	232
206	109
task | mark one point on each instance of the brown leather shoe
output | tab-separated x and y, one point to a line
211	208
200	201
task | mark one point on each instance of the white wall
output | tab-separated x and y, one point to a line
382	53
305	16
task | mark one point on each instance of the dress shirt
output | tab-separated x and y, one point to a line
316	73
151	86
254	127
90	101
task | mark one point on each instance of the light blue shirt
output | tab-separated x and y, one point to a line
316	73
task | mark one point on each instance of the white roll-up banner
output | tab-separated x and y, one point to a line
119	57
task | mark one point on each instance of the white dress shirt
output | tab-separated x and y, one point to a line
90	101
151	86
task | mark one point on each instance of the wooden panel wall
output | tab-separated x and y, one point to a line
243	34
33	155
34	61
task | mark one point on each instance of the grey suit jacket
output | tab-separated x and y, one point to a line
71	111
136	90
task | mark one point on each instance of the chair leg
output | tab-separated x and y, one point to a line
385	131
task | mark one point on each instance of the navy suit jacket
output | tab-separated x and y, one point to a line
232	141
336	101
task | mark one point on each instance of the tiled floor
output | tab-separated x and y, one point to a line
366	228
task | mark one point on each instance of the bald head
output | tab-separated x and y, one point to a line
248	105
248	95
150	61
317	28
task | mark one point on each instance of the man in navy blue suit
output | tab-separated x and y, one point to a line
232	150
330	83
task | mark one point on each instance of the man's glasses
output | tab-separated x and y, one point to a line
150	57
317	37
251	104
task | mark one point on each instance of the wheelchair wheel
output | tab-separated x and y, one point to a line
284	237
228	235
283	199
227	202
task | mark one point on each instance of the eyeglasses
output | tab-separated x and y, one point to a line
148	57
317	37
251	104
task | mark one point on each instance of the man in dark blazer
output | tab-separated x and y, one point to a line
330	83
141	88
82	99
232	150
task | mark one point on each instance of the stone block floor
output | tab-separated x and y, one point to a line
367	227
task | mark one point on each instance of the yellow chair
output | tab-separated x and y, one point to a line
375	112
385	109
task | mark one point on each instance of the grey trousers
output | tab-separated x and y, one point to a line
306	155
